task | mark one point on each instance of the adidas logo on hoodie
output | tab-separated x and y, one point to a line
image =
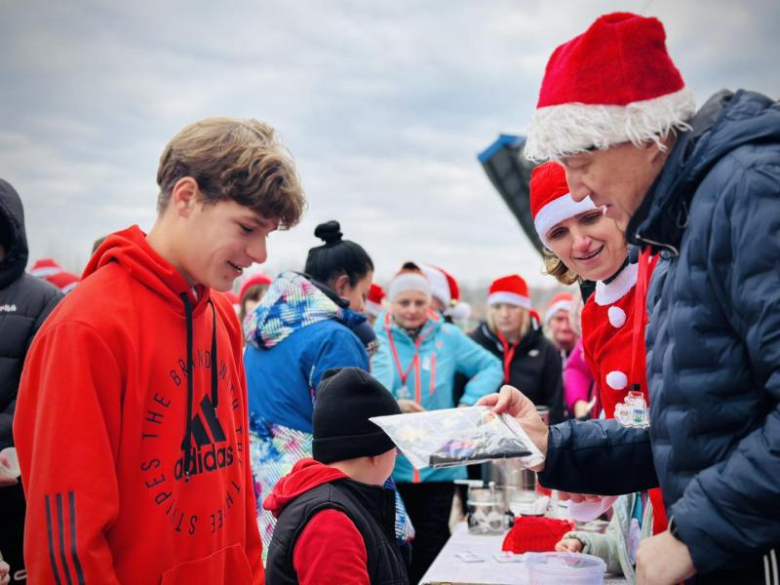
206	456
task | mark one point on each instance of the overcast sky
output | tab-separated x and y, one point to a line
384	105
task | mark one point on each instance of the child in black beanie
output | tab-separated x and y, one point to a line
335	520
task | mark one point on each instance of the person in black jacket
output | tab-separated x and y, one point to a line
702	192
513	334
25	302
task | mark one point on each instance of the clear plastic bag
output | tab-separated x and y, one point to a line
459	436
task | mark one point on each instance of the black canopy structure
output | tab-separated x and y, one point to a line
510	173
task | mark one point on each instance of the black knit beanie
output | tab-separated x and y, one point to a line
346	399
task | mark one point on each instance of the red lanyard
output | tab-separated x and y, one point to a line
417	344
509	353
638	352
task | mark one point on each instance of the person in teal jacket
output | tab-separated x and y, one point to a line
419	355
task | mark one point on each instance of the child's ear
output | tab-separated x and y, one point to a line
184	195
340	285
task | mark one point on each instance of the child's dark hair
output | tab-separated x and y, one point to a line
336	257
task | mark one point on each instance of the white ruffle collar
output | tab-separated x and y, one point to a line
607	294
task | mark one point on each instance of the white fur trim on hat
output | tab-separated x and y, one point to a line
561	305
373	308
41	272
607	294
558	210
407	281
440	288
509	298
567	129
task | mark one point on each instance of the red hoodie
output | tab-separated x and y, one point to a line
330	550
107	423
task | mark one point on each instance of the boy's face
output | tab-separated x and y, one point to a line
220	240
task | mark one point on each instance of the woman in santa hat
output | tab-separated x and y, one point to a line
418	358
512	332
582	243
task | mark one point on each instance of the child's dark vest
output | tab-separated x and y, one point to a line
371	509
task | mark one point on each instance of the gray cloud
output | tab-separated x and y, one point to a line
383	104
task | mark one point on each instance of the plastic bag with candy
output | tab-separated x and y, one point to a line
459	436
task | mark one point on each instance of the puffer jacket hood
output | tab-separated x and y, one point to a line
305	475
294	301
12	234
727	121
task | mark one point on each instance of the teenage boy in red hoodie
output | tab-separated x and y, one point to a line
335	519
131	418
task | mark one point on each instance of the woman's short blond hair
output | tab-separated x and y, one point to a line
555	267
238	160
525	324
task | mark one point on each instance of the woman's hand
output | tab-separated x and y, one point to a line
408	406
511	401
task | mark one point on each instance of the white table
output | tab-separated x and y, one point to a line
451	570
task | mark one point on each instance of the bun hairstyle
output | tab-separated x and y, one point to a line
337	257
329	232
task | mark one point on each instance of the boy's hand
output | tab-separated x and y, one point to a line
6	480
511	401
408	406
569	545
5	573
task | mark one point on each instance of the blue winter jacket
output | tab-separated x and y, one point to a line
295	335
444	352
713	343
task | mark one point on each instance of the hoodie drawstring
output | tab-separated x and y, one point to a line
187	443
214	360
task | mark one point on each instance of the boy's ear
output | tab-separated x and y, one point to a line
184	196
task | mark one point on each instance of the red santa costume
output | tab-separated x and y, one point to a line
612	325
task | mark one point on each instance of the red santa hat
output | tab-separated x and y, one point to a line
50	271
256	279
445	288
551	202
374	300
509	290
614	83
560	302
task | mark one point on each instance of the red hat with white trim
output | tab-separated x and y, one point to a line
374	300
443	285
560	302
551	202
509	290
256	279
51	272
614	83
445	288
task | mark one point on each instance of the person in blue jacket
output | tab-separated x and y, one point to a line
703	191
418	358
304	326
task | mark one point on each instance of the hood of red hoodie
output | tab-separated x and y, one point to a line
305	475
130	250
